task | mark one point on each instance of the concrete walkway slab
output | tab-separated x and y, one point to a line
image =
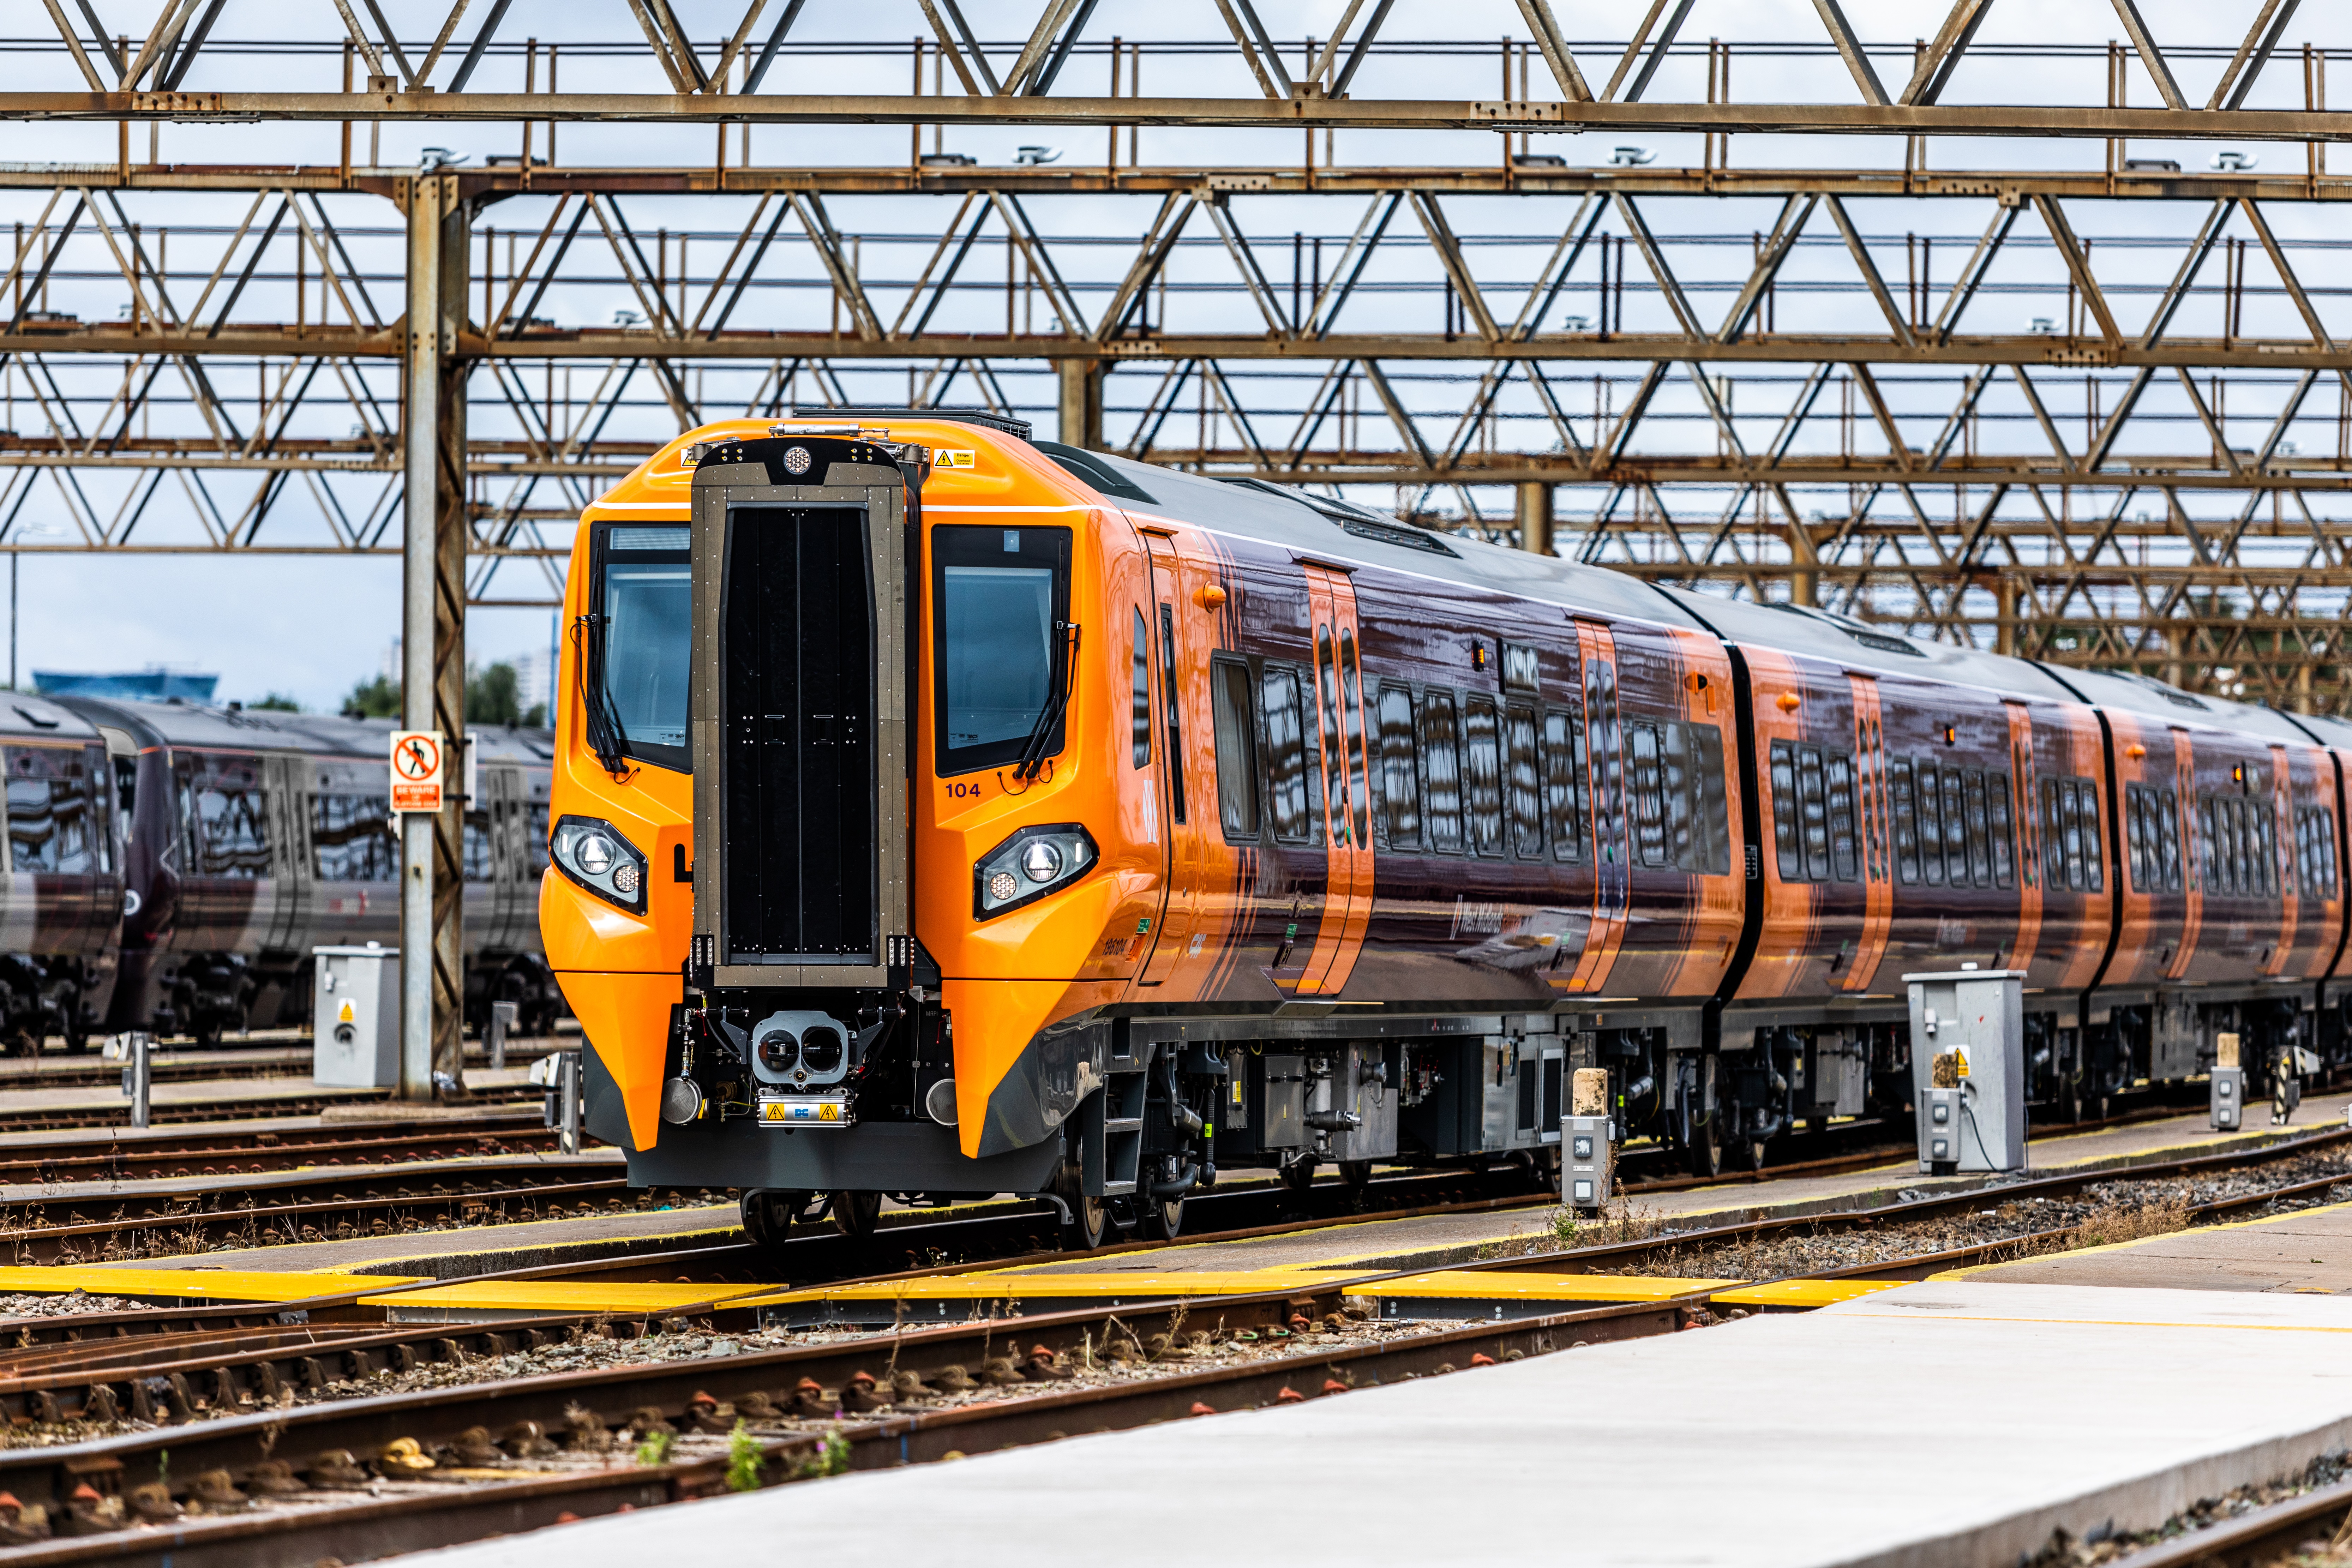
2307	1251
1937	1424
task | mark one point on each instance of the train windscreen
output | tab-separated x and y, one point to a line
646	589
1000	594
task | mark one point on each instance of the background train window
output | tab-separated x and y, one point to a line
2072	831
229	818
2321	878
1400	768
2087	810
1441	767
1563	766
1482	777
1522	782
2054	839
2168	837
1710	820
1608	760
2139	837
1351	724
2262	817
1333	756
352	839
1972	785
535	823
52	822
1140	715
1931	822
1906	820
1229	696
1839	769
1286	754
2004	871
478	846
1685	839
1786	840
1649	814
1813	799
2209	860
1173	729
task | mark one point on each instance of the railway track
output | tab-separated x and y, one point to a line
88	1071
1323	1351
165	1112
228	1154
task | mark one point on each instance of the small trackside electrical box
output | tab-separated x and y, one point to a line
1968	1070
1587	1162
355	1017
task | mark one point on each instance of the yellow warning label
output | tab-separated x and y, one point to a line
347	1014
1963	1054
951	458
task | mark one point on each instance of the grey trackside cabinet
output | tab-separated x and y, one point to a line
1968	1070
356	1016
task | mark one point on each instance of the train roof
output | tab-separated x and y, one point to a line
1324	528
1843	640
200	726
2325	728
2131	693
24	718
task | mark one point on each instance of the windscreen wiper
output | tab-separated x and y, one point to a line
1057	702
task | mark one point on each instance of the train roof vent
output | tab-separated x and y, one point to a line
1096	472
1003	422
2172	694
1858	630
1887	645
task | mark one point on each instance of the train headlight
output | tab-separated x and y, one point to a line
1029	865
596	855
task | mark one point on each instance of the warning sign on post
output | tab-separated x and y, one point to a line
416	770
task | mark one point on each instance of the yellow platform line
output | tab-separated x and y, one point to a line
555	1296
1479	1285
1975	1268
1005	1286
190	1284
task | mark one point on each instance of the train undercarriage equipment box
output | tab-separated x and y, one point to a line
356	1041
1968	1070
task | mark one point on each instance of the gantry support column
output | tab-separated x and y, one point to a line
433	640
1535	516
1081	401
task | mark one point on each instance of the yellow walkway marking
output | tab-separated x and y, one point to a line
1803	1292
195	1284
1474	1284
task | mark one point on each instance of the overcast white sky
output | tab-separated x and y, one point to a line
313	626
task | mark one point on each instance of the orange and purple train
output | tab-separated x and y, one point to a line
940	812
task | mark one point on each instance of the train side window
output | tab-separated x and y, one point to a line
2303	848
1907	821
1931	822
1980	832
1522	782
1352	725
1838	768
2265	842
2208	861
1786	839
1175	725
536	825
2327	856
1813	801
1441	767
2054	839
1481	775
1333	754
1142	712
2004	870
1675	779
1956	830
50	823
1605	730
479	861
1649	816
1711	834
1562	761
1400	768
1228	697
2137	836
1286	751
2094	836
2165	815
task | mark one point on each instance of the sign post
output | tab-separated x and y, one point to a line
417	772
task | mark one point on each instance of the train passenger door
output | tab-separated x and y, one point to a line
1339	707
1611	851
289	890
1877	862
1179	643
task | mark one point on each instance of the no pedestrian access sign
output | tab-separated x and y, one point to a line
416	770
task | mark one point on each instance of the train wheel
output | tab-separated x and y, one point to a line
1298	1176
767	1217
1356	1176
857	1212
1163	1220
1704	1154
1089	1222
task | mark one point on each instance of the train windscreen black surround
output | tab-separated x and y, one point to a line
797	705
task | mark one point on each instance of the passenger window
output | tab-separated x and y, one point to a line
2004	852
1400	769
2071	826
1931	822
1815	798
1229	692
1608	762
1956	829
1286	754
1841	856
1482	777
2209	856
479	862
2168	837
1441	765
1649	817
1142	710
2136	837
2054	839
1335	757
1907	821
1980	852
1563	766
1711	830
1352	725
1675	782
51	824
1786	839
1522	784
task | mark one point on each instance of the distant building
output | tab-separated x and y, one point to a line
154	684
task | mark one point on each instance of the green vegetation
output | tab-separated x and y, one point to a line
493	696
655	1449
744	1459
277	703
